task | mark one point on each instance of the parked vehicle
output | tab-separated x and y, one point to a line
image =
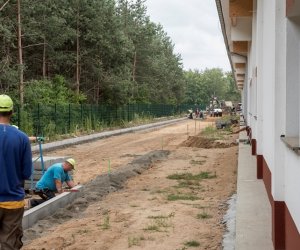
217	112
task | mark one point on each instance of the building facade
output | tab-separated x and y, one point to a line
262	38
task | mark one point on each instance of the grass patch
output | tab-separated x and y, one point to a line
204	215
158	192
189	176
195	162
162	216
213	133
105	225
191	184
135	241
175	197
152	228
192	243
83	231
159	222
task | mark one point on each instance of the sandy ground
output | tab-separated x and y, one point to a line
130	200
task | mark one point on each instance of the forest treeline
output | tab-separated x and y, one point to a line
96	51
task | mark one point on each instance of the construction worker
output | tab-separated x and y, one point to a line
52	181
15	167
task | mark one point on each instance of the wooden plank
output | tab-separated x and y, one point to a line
240	8
240	65
240	46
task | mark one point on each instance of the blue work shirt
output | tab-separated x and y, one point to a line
15	163
54	172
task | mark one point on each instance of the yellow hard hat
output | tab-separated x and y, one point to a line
72	162
6	103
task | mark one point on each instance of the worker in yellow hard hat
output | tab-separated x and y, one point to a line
15	168
52	181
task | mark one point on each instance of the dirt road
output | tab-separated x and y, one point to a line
177	202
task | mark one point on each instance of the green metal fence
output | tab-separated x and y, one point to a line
49	120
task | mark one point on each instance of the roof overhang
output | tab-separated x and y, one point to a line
236	24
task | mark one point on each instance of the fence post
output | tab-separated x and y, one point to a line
128	109
69	125
55	119
92	117
19	116
39	121
81	115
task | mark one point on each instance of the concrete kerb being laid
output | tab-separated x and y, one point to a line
92	137
47	208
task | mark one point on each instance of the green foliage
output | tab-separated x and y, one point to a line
50	92
105	51
210	82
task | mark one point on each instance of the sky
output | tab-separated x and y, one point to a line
194	28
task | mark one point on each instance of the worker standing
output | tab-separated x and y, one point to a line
15	167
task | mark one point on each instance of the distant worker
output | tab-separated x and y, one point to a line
190	114
52	181
197	113
201	115
15	168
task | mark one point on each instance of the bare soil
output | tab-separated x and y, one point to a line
138	195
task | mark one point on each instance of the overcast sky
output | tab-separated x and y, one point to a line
194	28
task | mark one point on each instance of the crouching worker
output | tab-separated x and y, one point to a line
52	181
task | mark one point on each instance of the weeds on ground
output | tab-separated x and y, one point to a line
204	215
105	225
189	176
191	184
175	197
135	241
162	216
160	223
195	162
192	243
83	231
213	133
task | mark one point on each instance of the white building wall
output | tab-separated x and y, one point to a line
259	98
292	185
292	160
278	189
242	30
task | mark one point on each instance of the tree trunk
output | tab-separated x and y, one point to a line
2	7
44	59
20	55
77	55
134	67
97	92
